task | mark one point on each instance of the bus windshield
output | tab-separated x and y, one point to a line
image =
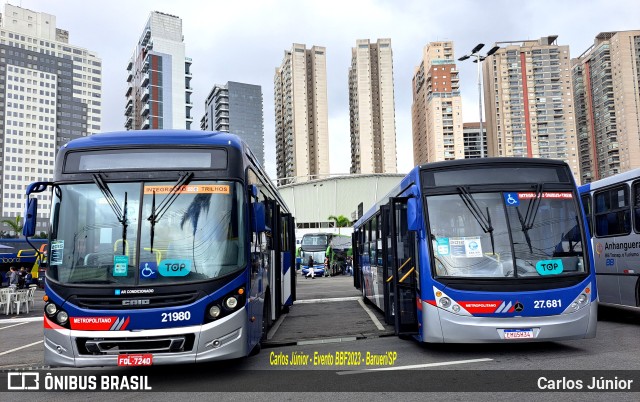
127	233
505	235
315	240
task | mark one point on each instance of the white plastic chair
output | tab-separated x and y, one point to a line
5	299
19	299
31	292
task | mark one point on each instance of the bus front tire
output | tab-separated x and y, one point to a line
266	317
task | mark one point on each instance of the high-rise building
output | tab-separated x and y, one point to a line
159	77
474	140
301	115
606	78
372	108
528	101
237	108
436	111
50	93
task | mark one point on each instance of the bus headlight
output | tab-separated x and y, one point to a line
445	302
214	311
62	317
582	299
231	303
455	308
50	309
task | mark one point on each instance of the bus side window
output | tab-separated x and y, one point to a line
586	203
612	213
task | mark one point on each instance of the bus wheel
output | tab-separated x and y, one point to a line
256	349
266	317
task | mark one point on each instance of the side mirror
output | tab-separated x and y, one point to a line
31	213
38	187
413	222
258	224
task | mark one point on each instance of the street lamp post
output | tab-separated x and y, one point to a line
478	58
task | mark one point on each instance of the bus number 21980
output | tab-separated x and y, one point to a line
176	316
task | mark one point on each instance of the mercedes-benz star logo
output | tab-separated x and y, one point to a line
518	307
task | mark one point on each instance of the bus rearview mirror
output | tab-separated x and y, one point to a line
31	213
412	214
258	224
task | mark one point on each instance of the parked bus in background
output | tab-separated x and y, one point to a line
338	250
18	253
612	207
314	246
165	247
480	250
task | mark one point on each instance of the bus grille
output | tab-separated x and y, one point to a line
116	303
150	344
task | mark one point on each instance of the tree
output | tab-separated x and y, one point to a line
15	225
341	221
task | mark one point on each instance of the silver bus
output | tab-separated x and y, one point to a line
612	207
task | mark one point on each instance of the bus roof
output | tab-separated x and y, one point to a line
155	137
607	181
414	175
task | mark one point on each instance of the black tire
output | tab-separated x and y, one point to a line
266	317
256	349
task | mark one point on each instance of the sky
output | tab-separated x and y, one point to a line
245	41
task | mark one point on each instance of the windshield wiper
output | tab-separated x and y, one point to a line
474	208
532	211
156	215
120	214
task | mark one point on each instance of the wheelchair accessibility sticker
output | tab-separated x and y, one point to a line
512	199
148	270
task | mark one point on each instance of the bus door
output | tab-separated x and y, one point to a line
275	258
287	258
387	264
355	266
404	265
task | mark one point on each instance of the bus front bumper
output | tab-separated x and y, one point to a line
218	340
441	326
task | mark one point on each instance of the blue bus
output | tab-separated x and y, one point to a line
480	250
165	246
612	207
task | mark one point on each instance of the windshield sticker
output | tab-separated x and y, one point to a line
551	195
120	265
456	246
174	267
190	189
472	247
57	252
148	270
463	246
442	246
511	199
549	267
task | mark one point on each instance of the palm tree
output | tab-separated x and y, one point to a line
341	221
15	225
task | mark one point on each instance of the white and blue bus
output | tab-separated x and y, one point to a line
480	250
612	207
165	246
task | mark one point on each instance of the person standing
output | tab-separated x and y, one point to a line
312	271
22	277
13	278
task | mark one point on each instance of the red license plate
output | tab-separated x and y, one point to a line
135	360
